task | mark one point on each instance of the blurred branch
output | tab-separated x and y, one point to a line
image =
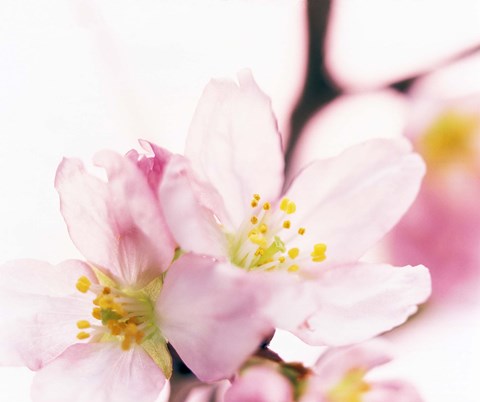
405	85
318	89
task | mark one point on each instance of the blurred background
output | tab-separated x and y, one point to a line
77	76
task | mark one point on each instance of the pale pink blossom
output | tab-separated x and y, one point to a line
442	229
97	331
229	200
260	384
340	375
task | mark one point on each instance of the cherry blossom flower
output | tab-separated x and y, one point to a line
97	331
229	200
442	229
339	375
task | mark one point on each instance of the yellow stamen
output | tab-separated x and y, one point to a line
259	251
139	337
350	388
115	329
450	138
83	335
97	313
291	208
83	324
284	204
286	224
254	203
106	302
254	220
318	254
257	238
263	228
293	253
106	290
256	197
131	329
281	259
266	206
288	206
293	268
83	284
301	231
126	343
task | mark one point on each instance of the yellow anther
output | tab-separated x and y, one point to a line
254	203
131	329
83	284
291	208
126	343
318	254
83	335
257	238
83	324
284	204
286	224
259	251
106	302
97	313
256	197
139	337
293	268
293	252
266	206
301	231
106	290
281	259
115	329
254	220
263	228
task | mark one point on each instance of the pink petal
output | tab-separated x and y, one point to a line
152	167
350	201
291	302
39	308
260	384
99	372
118	225
209	312
392	391
356	302
332	366
234	144
190	209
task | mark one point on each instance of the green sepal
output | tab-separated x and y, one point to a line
153	289
178	253
156	347
104	279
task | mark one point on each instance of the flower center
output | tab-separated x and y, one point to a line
261	241
122	316
451	138
350	388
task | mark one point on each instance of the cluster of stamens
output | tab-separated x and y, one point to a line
350	388
117	315
260	242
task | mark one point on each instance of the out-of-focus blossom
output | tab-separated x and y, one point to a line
98	331
340	375
442	229
228	201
